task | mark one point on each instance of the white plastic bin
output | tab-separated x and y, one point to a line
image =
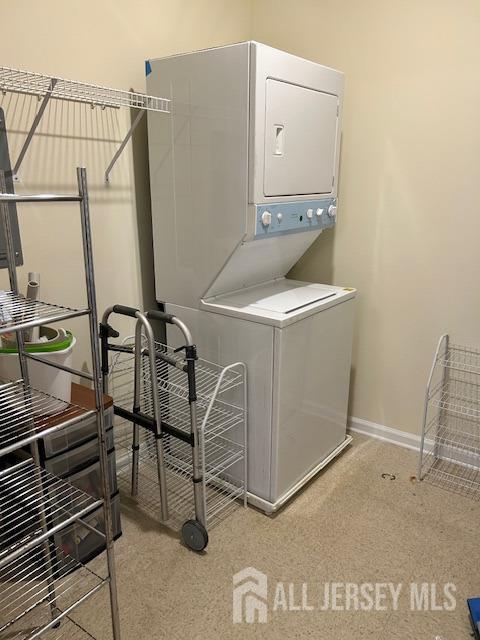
56	382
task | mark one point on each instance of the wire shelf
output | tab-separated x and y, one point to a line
457	396
220	456
455	432
27	414
26	491
450	447
33	623
207	375
448	474
460	358
173	380
173	400
17	312
39	84
221	418
224	494
25	583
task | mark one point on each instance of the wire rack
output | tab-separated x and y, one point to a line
39	84
222	434
25	584
450	446
24	491
173	393
28	414
223	491
458	396
460	358
220	456
33	623
207	376
17	312
222	416
450	430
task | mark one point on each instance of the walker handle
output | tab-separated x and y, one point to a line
160	315
125	311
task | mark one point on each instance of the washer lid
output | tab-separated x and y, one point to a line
293	298
278	303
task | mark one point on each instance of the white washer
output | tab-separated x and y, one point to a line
243	176
296	339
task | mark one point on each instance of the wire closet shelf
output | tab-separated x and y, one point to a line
450	445
38	84
47	87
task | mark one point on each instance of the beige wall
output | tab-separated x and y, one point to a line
408	232
102	42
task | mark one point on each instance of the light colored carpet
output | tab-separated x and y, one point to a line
348	525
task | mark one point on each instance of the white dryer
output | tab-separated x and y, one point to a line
244	175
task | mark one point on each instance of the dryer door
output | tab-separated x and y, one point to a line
301	126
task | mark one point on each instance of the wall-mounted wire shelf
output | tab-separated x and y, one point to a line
24	489
450	445
50	87
28	414
39	84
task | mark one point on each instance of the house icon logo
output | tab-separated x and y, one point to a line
250	596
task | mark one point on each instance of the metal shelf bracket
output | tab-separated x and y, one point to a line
33	128
120	149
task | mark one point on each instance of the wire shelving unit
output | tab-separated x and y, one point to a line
450	444
221	416
41	587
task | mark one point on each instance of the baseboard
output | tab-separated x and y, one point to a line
387	434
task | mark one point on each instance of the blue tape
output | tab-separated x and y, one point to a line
474	608
148	67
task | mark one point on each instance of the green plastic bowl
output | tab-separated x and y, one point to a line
43	347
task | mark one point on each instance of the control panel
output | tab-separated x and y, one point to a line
292	217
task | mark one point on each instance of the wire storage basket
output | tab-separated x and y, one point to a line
222	426
450	445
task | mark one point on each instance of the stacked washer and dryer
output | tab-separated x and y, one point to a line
244	175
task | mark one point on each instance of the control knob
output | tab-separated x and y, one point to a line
319	212
310	214
266	218
332	211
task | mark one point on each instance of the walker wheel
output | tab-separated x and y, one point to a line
194	535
